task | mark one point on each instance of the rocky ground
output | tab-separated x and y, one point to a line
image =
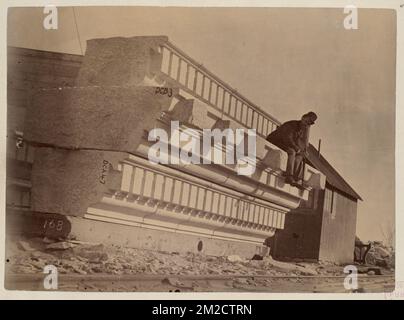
30	255
72	257
381	256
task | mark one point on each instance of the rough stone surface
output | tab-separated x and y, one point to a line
182	111
316	180
25	246
106	118
200	117
68	182
290	267
273	159
235	258
60	245
221	124
108	259
171	271
120	61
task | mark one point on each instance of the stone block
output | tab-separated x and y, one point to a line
275	159
221	124
200	116
314	179
107	118
182	111
261	147
120	61
68	181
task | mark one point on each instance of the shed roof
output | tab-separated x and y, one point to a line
333	177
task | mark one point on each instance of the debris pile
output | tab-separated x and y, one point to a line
381	255
76	257
378	254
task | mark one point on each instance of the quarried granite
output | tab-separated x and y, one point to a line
105	118
68	182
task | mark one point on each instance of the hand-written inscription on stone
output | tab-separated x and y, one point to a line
105	168
163	90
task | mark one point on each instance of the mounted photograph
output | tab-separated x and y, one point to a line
200	149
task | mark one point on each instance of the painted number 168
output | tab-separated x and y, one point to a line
52	224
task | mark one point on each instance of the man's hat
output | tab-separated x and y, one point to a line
311	115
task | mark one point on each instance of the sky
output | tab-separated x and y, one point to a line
288	61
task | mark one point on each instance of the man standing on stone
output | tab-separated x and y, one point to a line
293	137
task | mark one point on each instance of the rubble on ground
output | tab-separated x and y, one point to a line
76	257
379	255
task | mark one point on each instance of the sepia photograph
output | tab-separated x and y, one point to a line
200	149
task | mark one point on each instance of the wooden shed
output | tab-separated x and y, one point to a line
324	226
